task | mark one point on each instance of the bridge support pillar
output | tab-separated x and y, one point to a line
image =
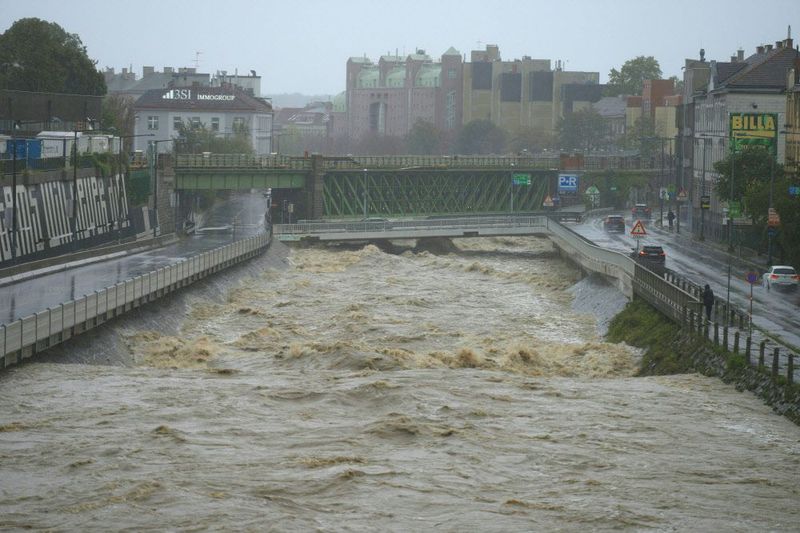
315	182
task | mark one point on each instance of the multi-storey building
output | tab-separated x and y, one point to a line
754	88
223	110
126	83
387	98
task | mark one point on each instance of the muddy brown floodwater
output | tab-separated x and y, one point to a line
361	390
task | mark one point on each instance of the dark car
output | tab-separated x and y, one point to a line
641	211
650	255
614	223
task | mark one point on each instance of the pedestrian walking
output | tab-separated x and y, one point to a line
670	218
708	301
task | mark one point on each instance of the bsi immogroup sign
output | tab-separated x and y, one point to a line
189	94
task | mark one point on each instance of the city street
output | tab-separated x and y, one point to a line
240	216
774	311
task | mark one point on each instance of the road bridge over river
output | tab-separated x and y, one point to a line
396	186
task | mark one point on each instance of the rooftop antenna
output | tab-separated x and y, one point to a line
197	58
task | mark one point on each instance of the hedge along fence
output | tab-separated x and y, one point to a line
35	333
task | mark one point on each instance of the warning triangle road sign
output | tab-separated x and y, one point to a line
638	229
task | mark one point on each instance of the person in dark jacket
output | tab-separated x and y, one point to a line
708	300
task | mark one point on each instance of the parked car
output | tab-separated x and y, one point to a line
650	254
640	211
614	223
781	277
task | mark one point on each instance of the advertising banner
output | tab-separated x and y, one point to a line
759	129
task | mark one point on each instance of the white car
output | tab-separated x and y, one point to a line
781	276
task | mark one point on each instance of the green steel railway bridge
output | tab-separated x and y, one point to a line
363	187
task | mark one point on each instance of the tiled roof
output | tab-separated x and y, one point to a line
154	99
762	71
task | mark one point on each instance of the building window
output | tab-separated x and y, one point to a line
196	124
177	123
152	123
214	123
450	111
451	74
238	125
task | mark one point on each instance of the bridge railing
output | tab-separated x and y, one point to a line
409	162
388	226
241	161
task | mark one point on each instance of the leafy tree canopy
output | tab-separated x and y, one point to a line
423	139
628	79
481	137
582	130
200	139
531	140
40	56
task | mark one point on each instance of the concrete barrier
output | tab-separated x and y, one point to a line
29	335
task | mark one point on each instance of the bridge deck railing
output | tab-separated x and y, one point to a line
407	162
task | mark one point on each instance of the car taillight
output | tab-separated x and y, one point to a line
796	278
662	254
773	276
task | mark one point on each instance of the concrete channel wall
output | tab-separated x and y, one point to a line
27	336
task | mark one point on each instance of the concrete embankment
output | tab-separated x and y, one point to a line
669	350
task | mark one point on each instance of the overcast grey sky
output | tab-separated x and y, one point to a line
303	45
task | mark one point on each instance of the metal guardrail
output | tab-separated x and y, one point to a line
24	337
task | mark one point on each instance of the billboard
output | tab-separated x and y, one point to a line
754	129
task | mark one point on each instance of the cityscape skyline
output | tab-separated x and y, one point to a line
585	36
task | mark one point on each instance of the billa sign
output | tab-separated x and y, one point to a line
760	129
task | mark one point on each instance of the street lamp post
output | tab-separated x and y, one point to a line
703	194
13	194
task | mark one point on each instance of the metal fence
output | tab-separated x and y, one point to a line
24	337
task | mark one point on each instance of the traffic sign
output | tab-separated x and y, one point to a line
752	278
638	230
794	191
705	202
735	209
773	218
682	195
548	202
772	231
521	179
567	183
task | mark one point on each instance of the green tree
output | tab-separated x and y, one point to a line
198	138
531	140
481	137
754	173
628	79
583	130
423	139
40	56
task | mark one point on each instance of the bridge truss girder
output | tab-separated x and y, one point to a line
430	192
239	179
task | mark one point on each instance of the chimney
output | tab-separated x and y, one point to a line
768	47
778	44
733	59
760	49
167	70
740	54
148	71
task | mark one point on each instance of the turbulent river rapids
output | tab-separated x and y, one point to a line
456	389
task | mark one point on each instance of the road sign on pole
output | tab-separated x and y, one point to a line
638	230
